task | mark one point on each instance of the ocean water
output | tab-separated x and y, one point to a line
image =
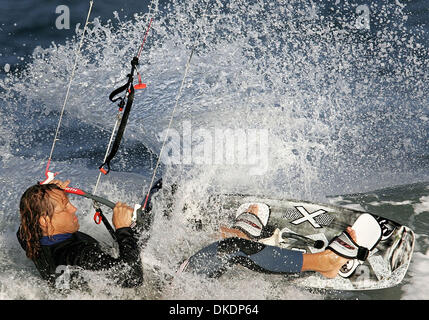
331	99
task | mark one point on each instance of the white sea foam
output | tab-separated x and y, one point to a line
423	206
392	203
417	287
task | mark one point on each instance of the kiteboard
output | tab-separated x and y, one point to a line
309	227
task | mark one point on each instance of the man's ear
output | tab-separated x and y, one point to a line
44	222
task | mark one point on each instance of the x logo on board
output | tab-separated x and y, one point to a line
306	216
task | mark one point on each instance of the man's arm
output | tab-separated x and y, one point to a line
126	269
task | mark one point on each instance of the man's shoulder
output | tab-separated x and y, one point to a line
78	241
75	249
84	237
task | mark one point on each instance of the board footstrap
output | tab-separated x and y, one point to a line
368	234
252	223
344	246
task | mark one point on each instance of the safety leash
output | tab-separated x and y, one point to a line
129	89
125	103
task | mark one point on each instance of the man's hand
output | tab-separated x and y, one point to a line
61	184
122	214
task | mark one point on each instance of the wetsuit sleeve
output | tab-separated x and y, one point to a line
215	259
126	269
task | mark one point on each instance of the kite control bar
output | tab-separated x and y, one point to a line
107	203
98	217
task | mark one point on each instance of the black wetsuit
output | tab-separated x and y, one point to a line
81	250
216	258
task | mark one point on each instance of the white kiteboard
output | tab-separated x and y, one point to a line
309	227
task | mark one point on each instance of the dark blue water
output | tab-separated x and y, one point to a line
30	23
25	25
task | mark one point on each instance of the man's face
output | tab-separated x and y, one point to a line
64	219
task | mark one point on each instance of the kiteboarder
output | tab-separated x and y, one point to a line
49	234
